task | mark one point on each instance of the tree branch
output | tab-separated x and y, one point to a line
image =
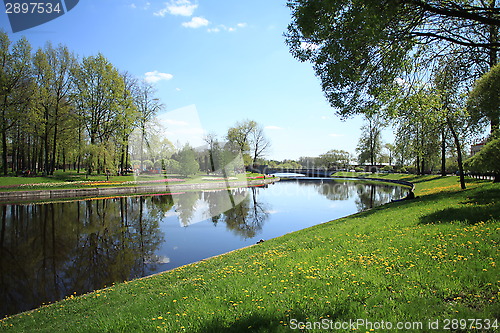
458	13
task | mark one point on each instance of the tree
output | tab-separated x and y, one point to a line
99	90
335	158
248	137
238	136
487	160
484	99
417	128
187	160
52	68
16	88
128	117
452	110
360	49
259	144
148	106
370	142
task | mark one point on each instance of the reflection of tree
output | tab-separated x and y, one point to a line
335	190
51	250
185	206
372	195
248	217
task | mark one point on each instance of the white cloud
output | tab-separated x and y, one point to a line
335	135
222	27
136	6
177	7
273	128
155	76
196	22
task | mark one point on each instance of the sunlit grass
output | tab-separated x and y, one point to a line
419	260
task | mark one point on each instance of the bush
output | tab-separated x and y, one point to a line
387	168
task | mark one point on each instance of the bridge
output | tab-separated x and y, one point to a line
309	172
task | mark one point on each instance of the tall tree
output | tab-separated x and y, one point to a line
148	106
259	144
99	90
248	138
52	68
370	142
16	87
417	130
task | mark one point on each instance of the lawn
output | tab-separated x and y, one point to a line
428	261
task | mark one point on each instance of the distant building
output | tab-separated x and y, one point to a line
475	148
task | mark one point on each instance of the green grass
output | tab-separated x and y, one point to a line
432	258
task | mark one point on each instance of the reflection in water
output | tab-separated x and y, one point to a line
49	251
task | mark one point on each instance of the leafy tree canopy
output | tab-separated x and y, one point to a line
484	99
360	48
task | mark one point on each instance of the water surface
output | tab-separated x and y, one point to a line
51	250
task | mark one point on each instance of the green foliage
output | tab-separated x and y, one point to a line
484	99
387	168
487	160
370	143
353	47
187	160
334	158
360	49
147	164
172	166
249	139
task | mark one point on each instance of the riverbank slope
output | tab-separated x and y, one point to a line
427	260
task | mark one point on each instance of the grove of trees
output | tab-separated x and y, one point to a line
57	110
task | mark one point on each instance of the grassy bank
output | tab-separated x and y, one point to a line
432	258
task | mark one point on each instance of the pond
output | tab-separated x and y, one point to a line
52	250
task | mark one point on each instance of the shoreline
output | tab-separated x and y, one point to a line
129	190
97	192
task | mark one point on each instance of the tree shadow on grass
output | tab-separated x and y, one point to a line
479	207
264	322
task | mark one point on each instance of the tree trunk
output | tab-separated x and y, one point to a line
459	154
443	153
54	144
493	60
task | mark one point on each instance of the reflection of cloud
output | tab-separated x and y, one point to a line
271	211
155	76
196	22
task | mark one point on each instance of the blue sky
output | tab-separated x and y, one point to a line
213	63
